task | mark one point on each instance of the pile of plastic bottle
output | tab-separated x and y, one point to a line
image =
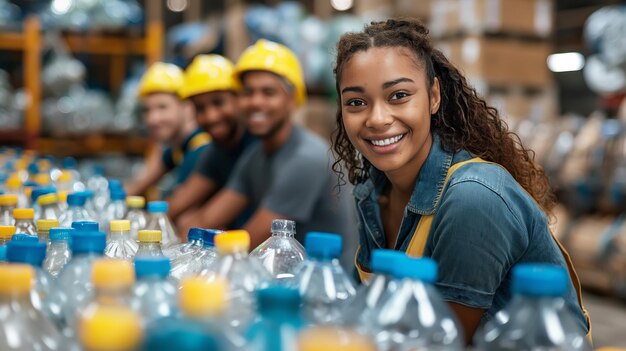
91	270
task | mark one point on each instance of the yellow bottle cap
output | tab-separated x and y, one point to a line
64	177
333	338
112	273
120	225
7	231
14	182
46	224
28	191
8	200
42	179
62	195
43	165
23	213
21	164
136	201
149	236
47	199
199	297
16	278
232	241
110	328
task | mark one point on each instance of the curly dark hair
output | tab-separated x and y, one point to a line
463	121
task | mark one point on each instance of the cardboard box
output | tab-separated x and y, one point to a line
525	17
499	62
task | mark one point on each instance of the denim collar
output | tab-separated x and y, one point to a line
430	181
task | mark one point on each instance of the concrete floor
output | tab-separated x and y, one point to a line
608	319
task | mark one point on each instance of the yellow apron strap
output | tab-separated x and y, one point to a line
177	155
363	274
198	140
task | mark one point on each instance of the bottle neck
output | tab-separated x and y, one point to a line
24	222
23	299
236	254
8	208
60	244
283	234
120	235
113	295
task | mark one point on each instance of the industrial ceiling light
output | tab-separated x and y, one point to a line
566	62
342	5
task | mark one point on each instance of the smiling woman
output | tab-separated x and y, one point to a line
437	173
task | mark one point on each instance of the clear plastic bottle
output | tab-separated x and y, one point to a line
6	233
69	164
58	252
86	226
149	243
89	204
49	206
281	253
76	210
25	221
116	209
280	321
120	245
100	187
8	203
136	215
33	253
14	187
537	318
415	317
360	311
154	296
74	281
24	237
192	246
243	273
110	328
189	265
320	270
43	229
65	182
168	334
157	220
24	328
34	197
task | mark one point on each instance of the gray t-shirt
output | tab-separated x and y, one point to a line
217	162
297	182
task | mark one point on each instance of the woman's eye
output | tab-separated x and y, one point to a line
355	102
399	95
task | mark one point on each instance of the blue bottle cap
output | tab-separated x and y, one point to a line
280	298
157	207
32	168
383	261
115	184
118	194
540	280
61	234
86	226
41	190
3	253
84	242
167	334
151	266
69	163
24	237
30	183
424	269
98	170
323	245
208	237
195	234
29	252
87	194
3	177
76	199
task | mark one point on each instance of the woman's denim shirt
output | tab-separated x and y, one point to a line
484	224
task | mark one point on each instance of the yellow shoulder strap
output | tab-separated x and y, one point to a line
198	140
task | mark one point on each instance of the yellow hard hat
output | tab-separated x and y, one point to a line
161	78
269	56
208	73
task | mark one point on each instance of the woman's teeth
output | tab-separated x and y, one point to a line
388	141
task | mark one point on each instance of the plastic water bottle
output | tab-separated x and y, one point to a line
24	328
120	245
537	317
25	221
321	270
149	243
168	334
136	215
280	321
14	187
86	226
157	220
33	253
69	164
65	182
415	316
211	313
24	237
192	246
362	308
34	197
319	338
154	296
6	233
281	254
89	204
58	252
110	328
116	209
113	281
189	265
74	281
43	229
49	206
100	187
76	210
8	202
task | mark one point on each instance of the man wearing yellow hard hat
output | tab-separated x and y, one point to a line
171	124
286	175
212	88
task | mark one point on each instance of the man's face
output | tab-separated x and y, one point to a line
163	115
217	113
